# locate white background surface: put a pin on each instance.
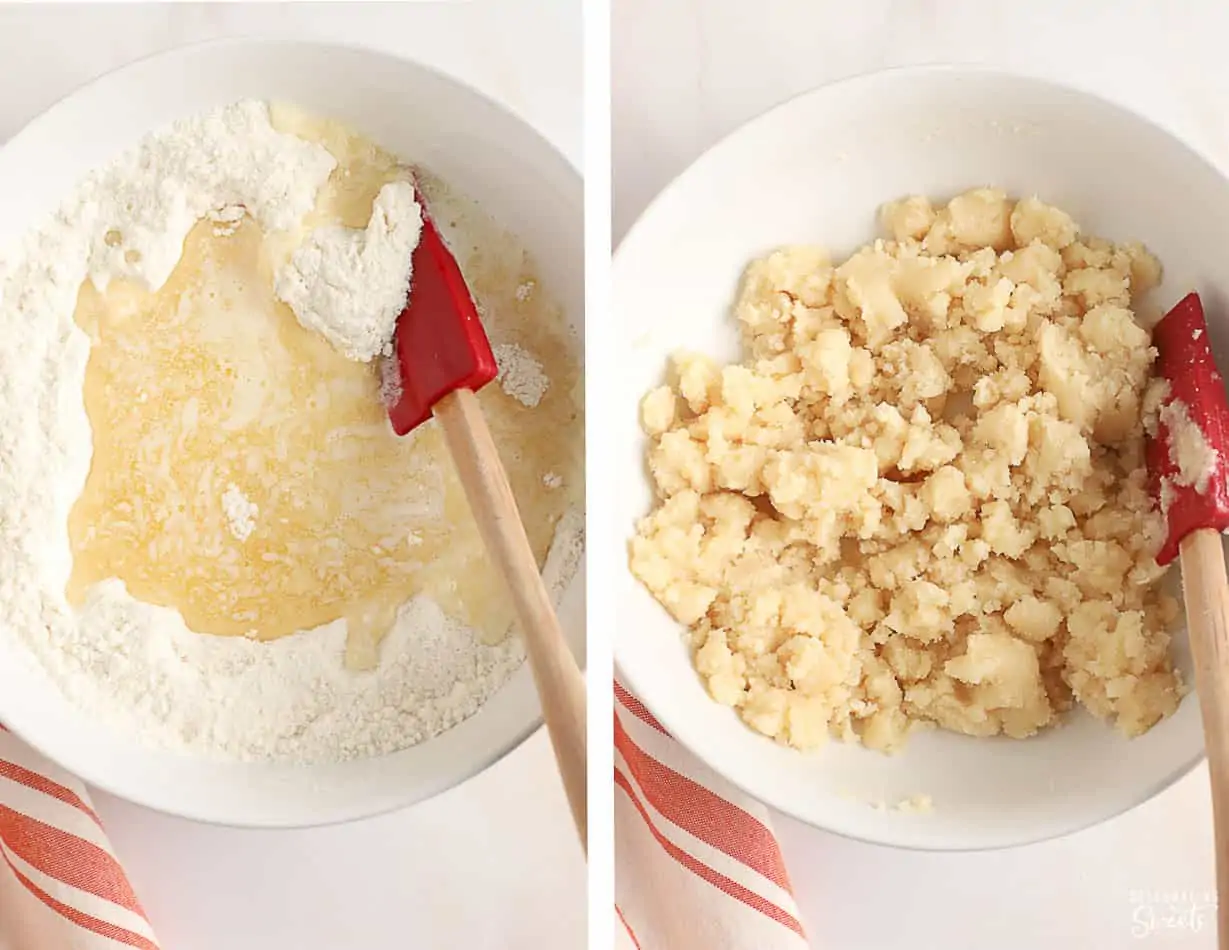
(494, 863)
(687, 72)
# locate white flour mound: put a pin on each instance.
(350, 286)
(131, 665)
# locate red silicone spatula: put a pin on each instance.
(1195, 519)
(443, 357)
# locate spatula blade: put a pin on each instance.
(440, 344)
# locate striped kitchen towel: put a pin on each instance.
(61, 887)
(696, 862)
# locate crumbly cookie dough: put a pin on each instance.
(921, 497)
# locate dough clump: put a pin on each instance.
(921, 497)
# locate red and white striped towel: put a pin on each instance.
(696, 862)
(61, 887)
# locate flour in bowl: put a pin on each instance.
(520, 375)
(350, 286)
(240, 512)
(135, 570)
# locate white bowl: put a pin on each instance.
(815, 170)
(472, 143)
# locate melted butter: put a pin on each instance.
(212, 382)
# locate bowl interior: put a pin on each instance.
(815, 170)
(473, 144)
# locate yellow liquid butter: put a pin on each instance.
(212, 383)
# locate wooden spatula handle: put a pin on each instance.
(561, 687)
(1206, 592)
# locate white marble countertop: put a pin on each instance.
(493, 863)
(686, 73)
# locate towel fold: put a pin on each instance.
(61, 886)
(696, 862)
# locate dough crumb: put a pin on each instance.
(1189, 451)
(915, 805)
